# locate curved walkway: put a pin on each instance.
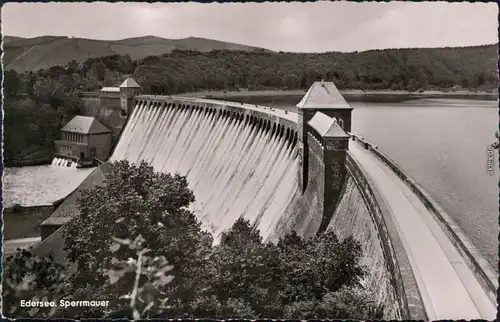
(448, 287)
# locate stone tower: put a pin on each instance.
(335, 147)
(321, 97)
(128, 90)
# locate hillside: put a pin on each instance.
(29, 54)
(395, 69)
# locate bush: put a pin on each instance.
(28, 277)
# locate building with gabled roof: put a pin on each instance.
(325, 97)
(324, 115)
(83, 139)
(85, 125)
(110, 96)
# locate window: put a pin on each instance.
(341, 123)
(65, 149)
(82, 154)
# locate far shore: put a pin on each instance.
(353, 93)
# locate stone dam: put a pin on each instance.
(306, 172)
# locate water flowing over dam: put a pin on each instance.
(235, 167)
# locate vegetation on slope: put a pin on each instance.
(39, 103)
(404, 69)
(139, 218)
(32, 54)
(35, 108)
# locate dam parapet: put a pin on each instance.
(471, 255)
(400, 282)
(285, 118)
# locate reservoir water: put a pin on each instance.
(40, 185)
(441, 143)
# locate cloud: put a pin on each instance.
(304, 27)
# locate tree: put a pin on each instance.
(12, 84)
(28, 277)
(134, 200)
(99, 70)
(294, 278)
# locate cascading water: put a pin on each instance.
(64, 163)
(234, 168)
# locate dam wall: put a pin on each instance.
(306, 209)
(353, 218)
(475, 261)
(239, 159)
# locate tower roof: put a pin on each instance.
(335, 131)
(85, 125)
(326, 126)
(323, 95)
(130, 82)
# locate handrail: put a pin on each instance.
(475, 261)
(402, 279)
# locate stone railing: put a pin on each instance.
(476, 262)
(396, 260)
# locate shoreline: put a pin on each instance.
(467, 94)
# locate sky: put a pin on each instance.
(297, 27)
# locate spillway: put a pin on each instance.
(235, 167)
(64, 163)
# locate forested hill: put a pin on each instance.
(397, 69)
(30, 54)
(172, 66)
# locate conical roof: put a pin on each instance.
(130, 82)
(335, 131)
(323, 95)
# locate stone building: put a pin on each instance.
(117, 103)
(109, 96)
(83, 139)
